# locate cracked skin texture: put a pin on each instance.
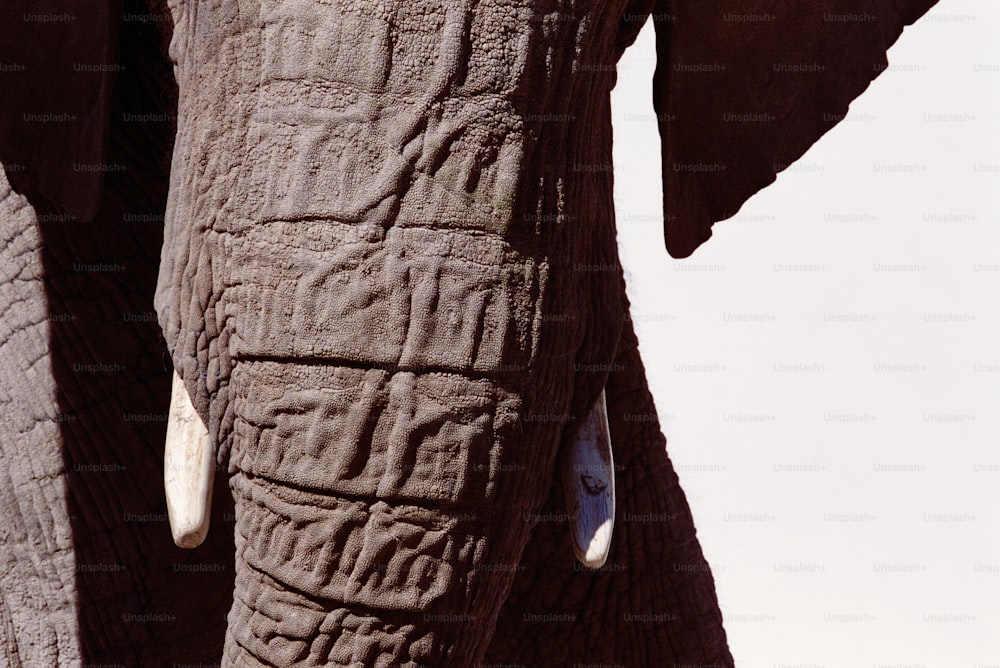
(389, 281)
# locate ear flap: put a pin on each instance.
(59, 61)
(741, 93)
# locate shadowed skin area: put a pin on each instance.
(389, 281)
(89, 573)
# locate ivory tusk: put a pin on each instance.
(588, 475)
(188, 470)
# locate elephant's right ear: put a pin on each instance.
(57, 69)
(742, 89)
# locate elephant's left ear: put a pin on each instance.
(742, 89)
(58, 62)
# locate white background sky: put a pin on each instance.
(834, 417)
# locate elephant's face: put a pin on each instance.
(390, 286)
(377, 284)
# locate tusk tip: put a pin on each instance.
(189, 538)
(593, 563)
(596, 553)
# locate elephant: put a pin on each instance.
(375, 246)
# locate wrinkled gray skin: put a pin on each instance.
(389, 280)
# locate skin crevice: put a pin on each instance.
(320, 604)
(499, 378)
(319, 498)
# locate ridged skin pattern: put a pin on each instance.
(36, 596)
(390, 282)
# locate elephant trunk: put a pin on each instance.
(369, 529)
(389, 441)
(392, 436)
